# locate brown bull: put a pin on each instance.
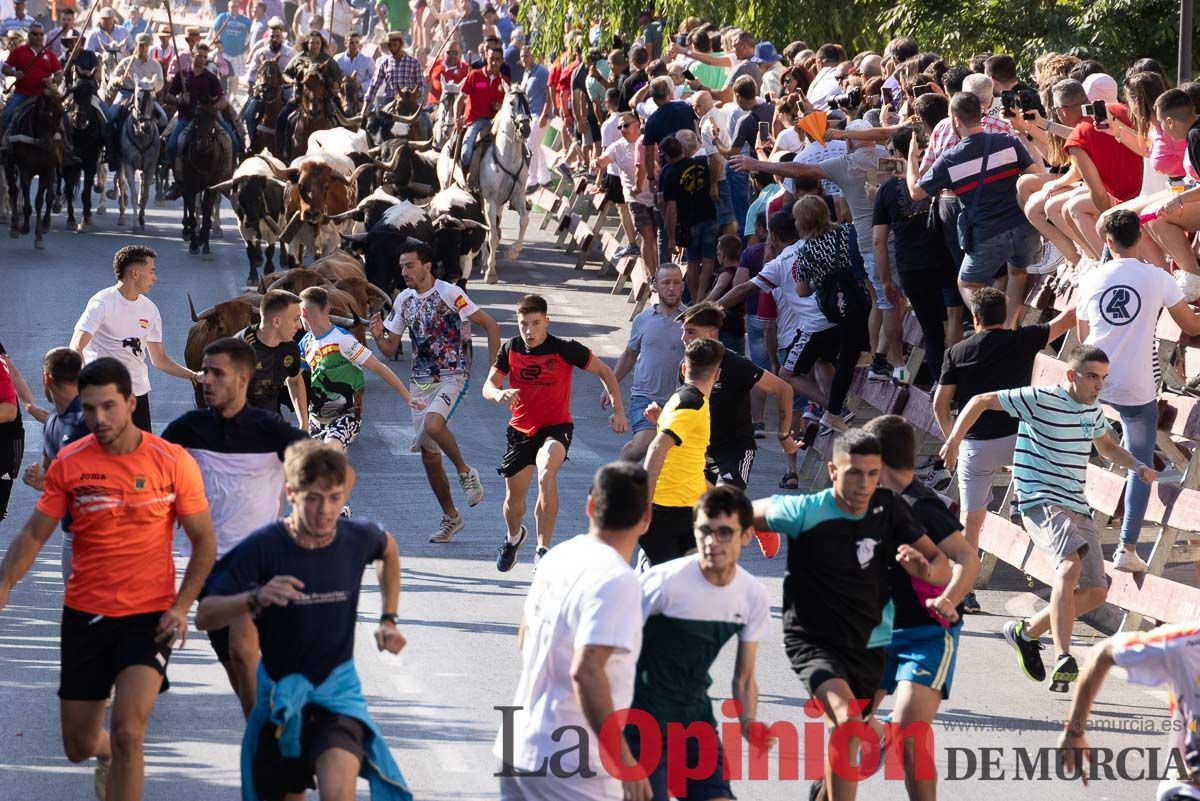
(317, 193)
(338, 265)
(222, 320)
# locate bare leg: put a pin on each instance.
(243, 661)
(1015, 295)
(337, 774)
(1035, 210)
(439, 432)
(516, 490)
(549, 459)
(83, 732)
(137, 690)
(438, 482)
(1083, 215)
(639, 443)
(840, 707)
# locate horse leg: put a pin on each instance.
(216, 216)
(44, 201)
(144, 196)
(68, 190)
(270, 265)
(209, 201)
(254, 256)
(26, 184)
(189, 219)
(518, 205)
(88, 180)
(121, 192)
(492, 215)
(10, 174)
(98, 177)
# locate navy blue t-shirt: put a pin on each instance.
(316, 633)
(59, 431)
(668, 120)
(995, 210)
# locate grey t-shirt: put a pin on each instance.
(850, 174)
(747, 67)
(658, 339)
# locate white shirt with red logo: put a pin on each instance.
(121, 328)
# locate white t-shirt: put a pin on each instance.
(793, 312)
(1167, 655)
(824, 87)
(584, 593)
(1121, 300)
(121, 328)
(677, 589)
(609, 133)
(624, 157)
(788, 141)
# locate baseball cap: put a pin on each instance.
(1100, 87)
(858, 125)
(143, 38)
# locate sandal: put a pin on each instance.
(790, 481)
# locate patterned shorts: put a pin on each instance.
(344, 429)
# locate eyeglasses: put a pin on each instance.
(624, 125)
(720, 534)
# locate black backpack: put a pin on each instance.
(842, 298)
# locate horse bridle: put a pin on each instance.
(527, 116)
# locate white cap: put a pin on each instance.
(1100, 87)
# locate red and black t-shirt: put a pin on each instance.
(543, 375)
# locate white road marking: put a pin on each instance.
(397, 437)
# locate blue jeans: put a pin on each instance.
(757, 340)
(15, 101)
(469, 138)
(739, 196)
(1140, 424)
(250, 117)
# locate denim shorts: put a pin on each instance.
(636, 414)
(868, 258)
(724, 204)
(757, 340)
(702, 243)
(1018, 247)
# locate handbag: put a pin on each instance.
(966, 236)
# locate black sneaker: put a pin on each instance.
(346, 512)
(1029, 655)
(970, 604)
(1066, 671)
(879, 372)
(537, 556)
(507, 555)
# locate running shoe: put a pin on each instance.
(900, 375)
(970, 604)
(346, 512)
(100, 777)
(1048, 261)
(760, 430)
(541, 551)
(1129, 562)
(1029, 655)
(768, 542)
(1066, 671)
(933, 474)
(448, 528)
(879, 372)
(564, 170)
(813, 411)
(472, 487)
(834, 422)
(507, 555)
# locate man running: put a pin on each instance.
(277, 357)
(240, 452)
(300, 579)
(692, 607)
(841, 543)
(653, 353)
(437, 316)
(60, 376)
(125, 489)
(580, 634)
(538, 366)
(337, 360)
(675, 461)
(926, 620)
(1058, 428)
(121, 322)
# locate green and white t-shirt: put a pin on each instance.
(688, 621)
(335, 359)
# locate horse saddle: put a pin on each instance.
(219, 132)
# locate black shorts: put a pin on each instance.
(141, 414)
(815, 663)
(320, 730)
(523, 449)
(729, 467)
(12, 451)
(807, 348)
(670, 534)
(613, 191)
(95, 649)
(704, 788)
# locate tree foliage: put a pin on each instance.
(1114, 32)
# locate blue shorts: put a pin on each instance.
(1018, 248)
(757, 340)
(868, 257)
(636, 414)
(724, 204)
(702, 242)
(712, 786)
(924, 655)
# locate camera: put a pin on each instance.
(889, 98)
(851, 100)
(1028, 106)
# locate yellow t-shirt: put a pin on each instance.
(685, 420)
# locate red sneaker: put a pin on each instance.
(769, 542)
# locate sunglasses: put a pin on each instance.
(624, 125)
(719, 534)
(453, 52)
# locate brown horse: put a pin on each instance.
(312, 115)
(352, 95)
(268, 85)
(35, 149)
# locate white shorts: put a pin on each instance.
(441, 398)
(979, 462)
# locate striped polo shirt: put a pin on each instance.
(1054, 442)
(995, 209)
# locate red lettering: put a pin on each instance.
(678, 770)
(842, 749)
(919, 754)
(814, 742)
(611, 738)
(731, 740)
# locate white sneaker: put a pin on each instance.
(447, 528)
(1129, 562)
(1048, 262)
(900, 375)
(472, 487)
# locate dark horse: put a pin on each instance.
(204, 159)
(86, 128)
(35, 149)
(312, 115)
(268, 86)
(352, 95)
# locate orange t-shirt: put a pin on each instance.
(123, 511)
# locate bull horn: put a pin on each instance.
(347, 322)
(273, 225)
(375, 151)
(385, 302)
(421, 147)
(289, 230)
(345, 215)
(224, 186)
(476, 224)
(447, 218)
(406, 119)
(358, 239)
(359, 170)
(192, 309)
(279, 183)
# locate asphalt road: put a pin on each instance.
(436, 701)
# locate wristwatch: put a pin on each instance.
(392, 618)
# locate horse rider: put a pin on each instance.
(85, 67)
(130, 74)
(18, 21)
(198, 85)
(397, 70)
(56, 40)
(481, 95)
(353, 62)
(277, 48)
(450, 68)
(183, 59)
(107, 33)
(314, 54)
(164, 51)
(30, 64)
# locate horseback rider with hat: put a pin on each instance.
(482, 94)
(198, 85)
(314, 54)
(129, 74)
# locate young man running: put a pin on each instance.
(692, 607)
(124, 324)
(1059, 426)
(125, 489)
(337, 360)
(675, 461)
(278, 359)
(437, 317)
(539, 367)
(240, 452)
(300, 579)
(926, 620)
(841, 543)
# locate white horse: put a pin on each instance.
(503, 171)
(140, 142)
